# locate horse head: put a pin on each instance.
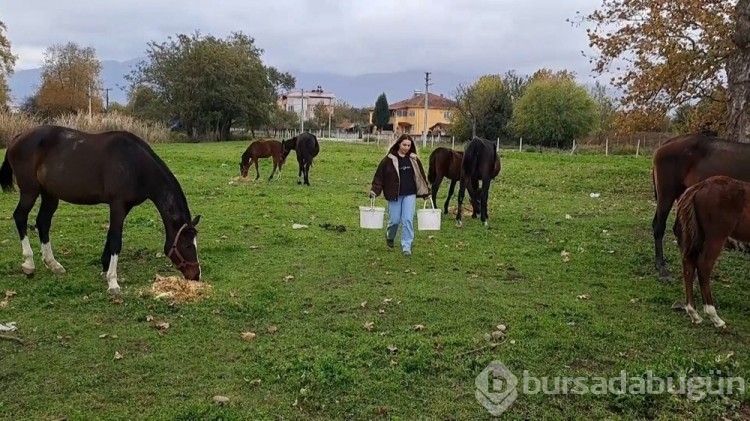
(244, 164)
(287, 146)
(183, 251)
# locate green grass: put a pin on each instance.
(322, 363)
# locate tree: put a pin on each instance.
(674, 53)
(484, 109)
(516, 84)
(382, 114)
(7, 62)
(605, 111)
(554, 112)
(209, 84)
(70, 74)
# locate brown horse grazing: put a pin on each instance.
(686, 160)
(709, 213)
(261, 149)
(306, 147)
(481, 162)
(117, 168)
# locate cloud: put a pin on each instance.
(337, 36)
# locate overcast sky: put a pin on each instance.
(338, 36)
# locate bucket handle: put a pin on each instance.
(430, 202)
(372, 202)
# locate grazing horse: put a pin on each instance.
(709, 213)
(307, 148)
(480, 163)
(117, 168)
(685, 160)
(446, 162)
(261, 149)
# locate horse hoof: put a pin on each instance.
(113, 291)
(459, 224)
(58, 271)
(28, 271)
(666, 279)
(299, 182)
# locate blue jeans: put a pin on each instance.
(401, 211)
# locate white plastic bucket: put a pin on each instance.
(429, 219)
(371, 217)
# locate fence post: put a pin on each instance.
(520, 144)
(638, 147)
(606, 147)
(497, 146)
(453, 142)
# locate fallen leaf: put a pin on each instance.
(381, 311)
(288, 278)
(118, 356)
(568, 216)
(387, 300)
(363, 304)
(103, 335)
(272, 329)
(565, 256)
(248, 336)
(10, 294)
(369, 326)
(418, 327)
(584, 297)
(149, 318)
(392, 348)
(221, 400)
(162, 325)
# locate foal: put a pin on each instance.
(709, 213)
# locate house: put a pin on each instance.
(407, 116)
(294, 100)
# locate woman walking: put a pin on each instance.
(401, 178)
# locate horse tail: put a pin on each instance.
(691, 242)
(6, 175)
(470, 161)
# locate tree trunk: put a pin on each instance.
(738, 75)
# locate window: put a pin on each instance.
(447, 115)
(412, 113)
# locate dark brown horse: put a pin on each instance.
(261, 149)
(480, 163)
(117, 168)
(306, 147)
(446, 163)
(686, 160)
(709, 213)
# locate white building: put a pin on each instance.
(295, 101)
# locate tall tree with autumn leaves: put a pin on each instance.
(7, 62)
(667, 54)
(70, 73)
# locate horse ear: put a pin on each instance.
(196, 220)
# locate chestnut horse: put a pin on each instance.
(117, 168)
(261, 149)
(686, 160)
(709, 213)
(306, 147)
(480, 163)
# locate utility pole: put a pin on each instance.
(302, 111)
(426, 107)
(89, 101)
(106, 96)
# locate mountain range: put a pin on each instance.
(359, 91)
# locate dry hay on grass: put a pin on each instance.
(178, 289)
(465, 212)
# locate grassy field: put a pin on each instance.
(338, 340)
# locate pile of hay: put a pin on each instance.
(466, 211)
(178, 289)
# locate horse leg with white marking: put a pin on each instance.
(21, 216)
(43, 224)
(113, 247)
(705, 267)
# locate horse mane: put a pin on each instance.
(174, 183)
(690, 229)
